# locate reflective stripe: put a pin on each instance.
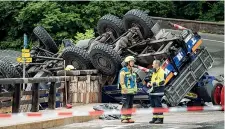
(127, 73)
(123, 117)
(129, 117)
(158, 116)
(155, 116)
(160, 93)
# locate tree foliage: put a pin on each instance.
(64, 19)
(87, 35)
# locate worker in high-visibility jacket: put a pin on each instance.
(127, 82)
(157, 91)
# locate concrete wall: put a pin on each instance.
(199, 26)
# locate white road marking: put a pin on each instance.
(120, 126)
(213, 40)
(174, 128)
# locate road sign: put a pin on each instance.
(27, 60)
(25, 41)
(25, 50)
(25, 55)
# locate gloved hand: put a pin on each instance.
(161, 83)
(149, 84)
(144, 82)
(154, 84)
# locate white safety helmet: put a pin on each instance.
(129, 58)
(69, 67)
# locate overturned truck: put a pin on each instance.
(183, 58)
(184, 61)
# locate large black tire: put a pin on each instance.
(105, 59)
(19, 68)
(46, 39)
(110, 23)
(7, 70)
(140, 19)
(77, 57)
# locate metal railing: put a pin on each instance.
(35, 92)
(16, 101)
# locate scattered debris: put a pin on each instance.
(104, 107)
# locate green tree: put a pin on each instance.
(63, 19)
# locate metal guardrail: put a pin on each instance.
(185, 20)
(33, 80)
(55, 80)
(196, 26)
(16, 101)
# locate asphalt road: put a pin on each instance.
(215, 45)
(189, 120)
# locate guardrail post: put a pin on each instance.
(16, 98)
(65, 93)
(69, 97)
(35, 97)
(52, 96)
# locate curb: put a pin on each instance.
(51, 123)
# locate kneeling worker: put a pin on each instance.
(127, 81)
(157, 86)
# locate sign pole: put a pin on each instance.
(64, 64)
(24, 59)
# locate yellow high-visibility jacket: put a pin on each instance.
(158, 77)
(127, 80)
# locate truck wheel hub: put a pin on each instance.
(102, 62)
(75, 64)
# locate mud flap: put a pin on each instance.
(204, 92)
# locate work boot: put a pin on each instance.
(131, 121)
(153, 120)
(159, 121)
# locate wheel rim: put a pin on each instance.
(135, 24)
(217, 93)
(109, 29)
(75, 64)
(104, 63)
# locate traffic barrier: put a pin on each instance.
(177, 26)
(136, 111)
(143, 68)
